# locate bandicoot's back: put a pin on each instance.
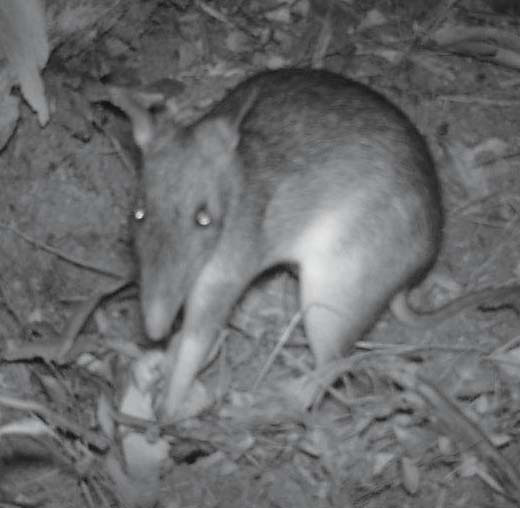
(292, 167)
(314, 140)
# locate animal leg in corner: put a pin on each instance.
(219, 286)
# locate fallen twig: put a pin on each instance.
(96, 440)
(61, 255)
(284, 338)
(466, 430)
(324, 40)
(455, 34)
(491, 44)
(437, 16)
(485, 101)
(282, 341)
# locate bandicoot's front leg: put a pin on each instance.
(209, 305)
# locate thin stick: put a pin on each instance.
(405, 350)
(96, 440)
(61, 255)
(463, 427)
(85, 490)
(485, 101)
(286, 335)
(324, 378)
(96, 487)
(214, 13)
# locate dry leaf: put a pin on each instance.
(279, 15)
(134, 494)
(27, 427)
(410, 474)
(414, 440)
(471, 466)
(381, 462)
(238, 42)
(301, 8)
(275, 62)
(373, 18)
(445, 446)
(509, 362)
(54, 389)
(467, 163)
(500, 440)
(146, 372)
(104, 416)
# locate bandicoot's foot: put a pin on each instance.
(199, 399)
(302, 391)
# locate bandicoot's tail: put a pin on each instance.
(419, 318)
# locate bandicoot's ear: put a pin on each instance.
(228, 129)
(136, 105)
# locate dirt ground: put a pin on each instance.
(446, 439)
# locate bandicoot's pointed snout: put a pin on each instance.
(157, 319)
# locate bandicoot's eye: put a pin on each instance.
(139, 213)
(139, 209)
(202, 217)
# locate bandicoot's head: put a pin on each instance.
(188, 183)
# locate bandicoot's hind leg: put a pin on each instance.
(333, 314)
(336, 302)
(217, 289)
